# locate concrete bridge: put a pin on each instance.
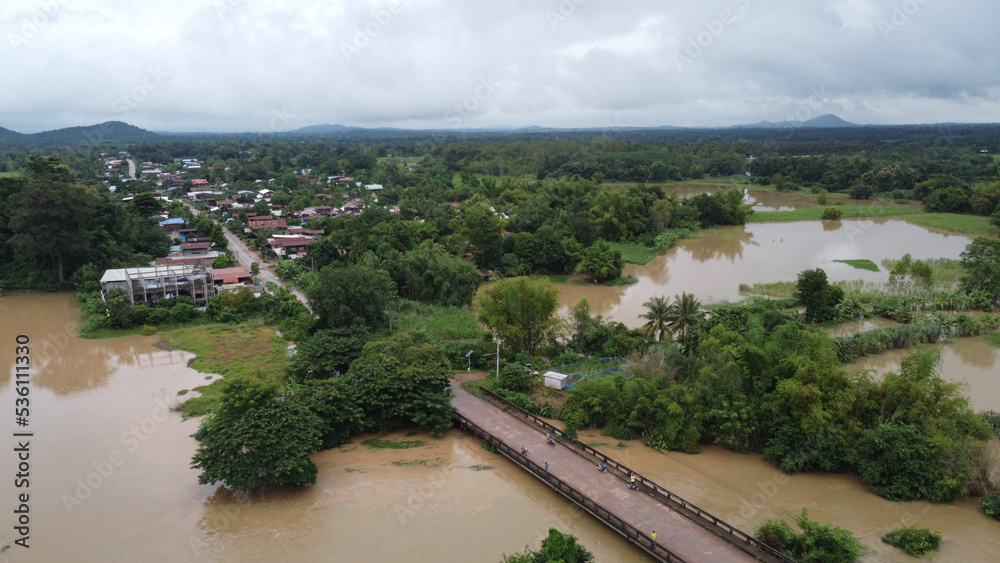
(684, 532)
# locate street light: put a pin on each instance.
(469, 357)
(497, 356)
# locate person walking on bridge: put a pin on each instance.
(653, 535)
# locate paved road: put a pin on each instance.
(688, 540)
(131, 168)
(245, 256)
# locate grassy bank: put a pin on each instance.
(814, 213)
(975, 225)
(634, 253)
(246, 350)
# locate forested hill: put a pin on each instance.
(109, 131)
(6, 135)
(91, 135)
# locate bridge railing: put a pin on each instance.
(710, 521)
(630, 532)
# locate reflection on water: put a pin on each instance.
(971, 361)
(713, 265)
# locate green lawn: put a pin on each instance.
(849, 212)
(9, 174)
(976, 225)
(247, 350)
(634, 253)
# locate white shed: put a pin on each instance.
(555, 380)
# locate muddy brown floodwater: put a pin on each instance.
(712, 267)
(110, 478)
(973, 362)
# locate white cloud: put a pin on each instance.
(232, 64)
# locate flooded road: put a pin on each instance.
(110, 479)
(712, 267)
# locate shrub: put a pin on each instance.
(832, 214)
(991, 505)
(147, 330)
(915, 541)
(817, 542)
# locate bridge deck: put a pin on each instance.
(685, 538)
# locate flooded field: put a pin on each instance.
(713, 266)
(973, 362)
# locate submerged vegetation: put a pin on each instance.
(816, 543)
(912, 540)
(860, 264)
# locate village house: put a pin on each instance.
(173, 224)
(258, 224)
(235, 275)
(304, 231)
(290, 245)
(317, 211)
(353, 206)
(150, 284)
(195, 248)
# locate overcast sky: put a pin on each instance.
(262, 65)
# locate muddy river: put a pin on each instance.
(713, 266)
(973, 362)
(110, 478)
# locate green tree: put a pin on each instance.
(327, 353)
(980, 263)
(255, 269)
(352, 294)
(683, 315)
(401, 381)
(218, 237)
(832, 214)
(556, 548)
(49, 217)
(482, 229)
(601, 263)
(816, 293)
(257, 437)
(515, 377)
(657, 316)
(146, 204)
(520, 311)
(818, 543)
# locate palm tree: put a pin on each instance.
(656, 318)
(683, 315)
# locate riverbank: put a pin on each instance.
(250, 349)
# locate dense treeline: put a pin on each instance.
(58, 234)
(535, 180)
(757, 379)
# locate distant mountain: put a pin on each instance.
(822, 122)
(828, 120)
(109, 131)
(323, 129)
(771, 125)
(8, 135)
